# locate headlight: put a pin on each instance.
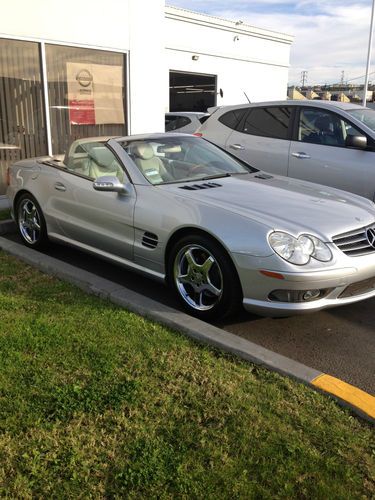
(299, 250)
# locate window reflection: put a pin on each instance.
(22, 123)
(86, 94)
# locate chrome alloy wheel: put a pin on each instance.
(198, 277)
(29, 221)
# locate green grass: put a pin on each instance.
(96, 402)
(4, 214)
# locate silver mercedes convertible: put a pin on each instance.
(221, 233)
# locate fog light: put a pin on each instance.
(311, 295)
(298, 295)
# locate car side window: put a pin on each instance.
(202, 119)
(268, 122)
(232, 118)
(93, 160)
(176, 122)
(318, 126)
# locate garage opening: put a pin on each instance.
(191, 91)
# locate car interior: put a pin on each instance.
(93, 160)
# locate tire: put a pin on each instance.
(204, 278)
(30, 222)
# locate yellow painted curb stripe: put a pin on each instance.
(354, 396)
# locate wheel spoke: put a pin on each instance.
(183, 278)
(27, 210)
(200, 299)
(190, 259)
(207, 264)
(209, 287)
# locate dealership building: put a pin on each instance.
(83, 69)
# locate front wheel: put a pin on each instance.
(204, 278)
(30, 222)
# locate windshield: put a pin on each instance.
(182, 159)
(366, 116)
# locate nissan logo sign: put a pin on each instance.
(84, 78)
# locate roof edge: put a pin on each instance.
(186, 15)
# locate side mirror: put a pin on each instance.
(356, 141)
(110, 183)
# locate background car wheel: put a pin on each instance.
(30, 221)
(204, 278)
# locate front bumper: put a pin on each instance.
(335, 280)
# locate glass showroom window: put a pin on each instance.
(86, 93)
(22, 123)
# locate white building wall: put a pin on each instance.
(148, 78)
(245, 59)
(131, 26)
(158, 39)
(69, 21)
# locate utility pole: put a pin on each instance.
(368, 54)
(304, 76)
(342, 81)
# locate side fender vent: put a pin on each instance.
(206, 185)
(150, 240)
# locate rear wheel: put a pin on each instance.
(30, 221)
(204, 278)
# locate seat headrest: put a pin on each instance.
(323, 123)
(143, 150)
(102, 156)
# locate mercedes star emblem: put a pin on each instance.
(370, 233)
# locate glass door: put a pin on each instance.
(22, 120)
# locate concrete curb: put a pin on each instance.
(362, 403)
(7, 226)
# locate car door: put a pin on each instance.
(102, 221)
(263, 138)
(319, 152)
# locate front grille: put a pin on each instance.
(354, 243)
(149, 240)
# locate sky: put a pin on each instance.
(331, 36)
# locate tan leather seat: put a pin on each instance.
(149, 164)
(103, 162)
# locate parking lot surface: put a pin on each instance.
(339, 341)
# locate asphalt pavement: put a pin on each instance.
(339, 341)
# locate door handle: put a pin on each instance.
(302, 156)
(237, 146)
(59, 186)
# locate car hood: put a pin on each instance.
(282, 203)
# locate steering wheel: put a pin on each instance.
(197, 169)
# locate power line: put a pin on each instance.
(351, 79)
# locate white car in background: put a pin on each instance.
(186, 122)
(325, 142)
